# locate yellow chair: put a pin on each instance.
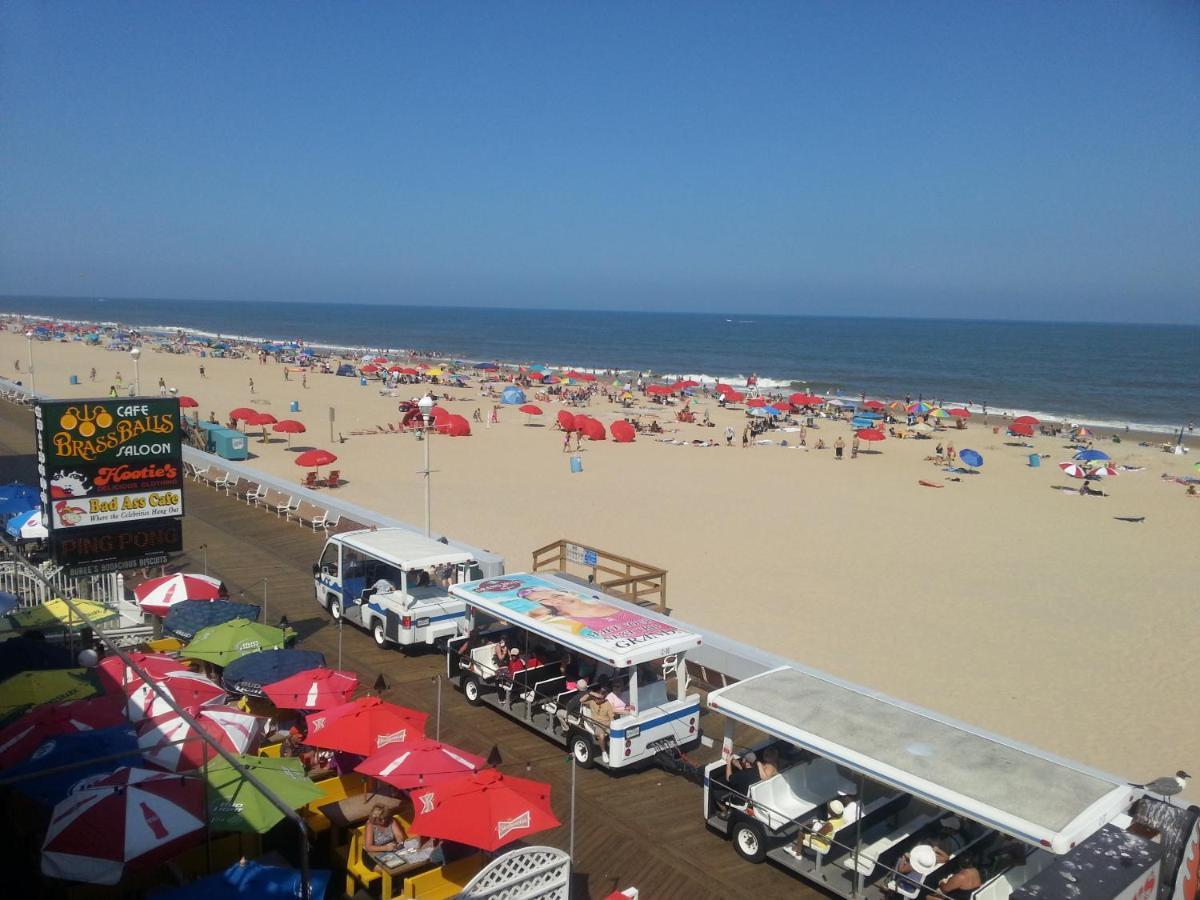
(271, 750)
(164, 645)
(359, 873)
(443, 882)
(334, 789)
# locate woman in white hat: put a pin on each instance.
(914, 867)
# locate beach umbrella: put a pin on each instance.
(408, 370)
(313, 459)
(1092, 456)
(318, 688)
(870, 434)
(659, 390)
(186, 402)
(170, 742)
(455, 426)
(1027, 420)
(971, 457)
(27, 689)
(248, 878)
(959, 413)
(939, 413)
(249, 674)
(531, 410)
(485, 810)
(27, 526)
(756, 402)
(222, 644)
(57, 614)
(686, 384)
(420, 764)
(289, 427)
(234, 804)
(186, 619)
(380, 360)
(120, 680)
(590, 428)
(622, 432)
(433, 372)
(734, 397)
(1105, 472)
(1082, 432)
(919, 408)
(1073, 469)
(242, 412)
(158, 595)
(781, 406)
(364, 725)
(127, 820)
(62, 761)
(872, 404)
(21, 653)
(22, 737)
(1021, 430)
(566, 420)
(370, 369)
(187, 688)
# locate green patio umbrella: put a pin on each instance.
(234, 804)
(222, 644)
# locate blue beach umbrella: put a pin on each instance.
(971, 457)
(253, 880)
(759, 412)
(1091, 455)
(27, 526)
(512, 395)
(68, 749)
(186, 619)
(248, 674)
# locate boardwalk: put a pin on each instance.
(640, 828)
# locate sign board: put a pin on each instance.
(112, 470)
(584, 556)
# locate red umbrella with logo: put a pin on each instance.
(28, 733)
(485, 810)
(126, 820)
(364, 725)
(158, 595)
(419, 764)
(117, 678)
(313, 689)
(312, 459)
(185, 687)
(170, 742)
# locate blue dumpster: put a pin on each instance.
(295, 407)
(229, 444)
(1035, 460)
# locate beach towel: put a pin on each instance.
(930, 484)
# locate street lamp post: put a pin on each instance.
(32, 377)
(425, 404)
(204, 547)
(136, 353)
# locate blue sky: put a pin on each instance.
(1024, 160)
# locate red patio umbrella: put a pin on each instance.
(185, 687)
(186, 402)
(870, 434)
(30, 731)
(242, 412)
(486, 810)
(370, 369)
(685, 384)
(170, 743)
(408, 370)
(622, 432)
(399, 369)
(723, 389)
(312, 459)
(313, 689)
(566, 420)
(380, 360)
(959, 413)
(530, 409)
(126, 820)
(118, 679)
(873, 404)
(364, 725)
(756, 402)
(660, 390)
(1021, 430)
(418, 764)
(1027, 420)
(1074, 469)
(158, 595)
(289, 427)
(734, 397)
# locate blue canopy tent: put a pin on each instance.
(1092, 456)
(250, 879)
(248, 674)
(346, 369)
(512, 395)
(185, 619)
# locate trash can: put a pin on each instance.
(362, 381)
(295, 407)
(1035, 460)
(576, 464)
(74, 379)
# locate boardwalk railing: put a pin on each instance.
(638, 582)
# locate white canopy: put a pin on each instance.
(404, 549)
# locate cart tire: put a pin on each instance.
(379, 633)
(749, 841)
(472, 690)
(583, 749)
(335, 609)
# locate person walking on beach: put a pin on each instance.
(202, 375)
(745, 437)
(304, 379)
(286, 377)
(839, 447)
(93, 373)
(112, 391)
(854, 448)
(17, 365)
(729, 435)
(951, 454)
(120, 382)
(162, 386)
(252, 385)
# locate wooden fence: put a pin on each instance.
(635, 581)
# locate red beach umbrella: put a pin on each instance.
(380, 360)
(870, 434)
(187, 403)
(242, 412)
(486, 810)
(1027, 420)
(590, 428)
(29, 732)
(289, 427)
(959, 413)
(566, 420)
(1021, 430)
(685, 384)
(158, 595)
(723, 389)
(734, 397)
(756, 402)
(530, 409)
(1105, 472)
(370, 369)
(118, 679)
(364, 725)
(170, 743)
(312, 459)
(313, 689)
(873, 404)
(187, 688)
(1074, 469)
(399, 369)
(127, 820)
(418, 764)
(660, 390)
(261, 418)
(408, 370)
(455, 426)
(622, 432)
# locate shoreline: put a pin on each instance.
(765, 385)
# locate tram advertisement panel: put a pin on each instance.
(102, 461)
(575, 612)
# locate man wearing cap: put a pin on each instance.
(598, 710)
(570, 708)
(741, 773)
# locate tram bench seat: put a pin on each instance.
(869, 855)
(482, 660)
(539, 685)
(878, 810)
(796, 792)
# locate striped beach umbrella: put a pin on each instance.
(158, 595)
(170, 742)
(1073, 469)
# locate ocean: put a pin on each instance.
(1144, 376)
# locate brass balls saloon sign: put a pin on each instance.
(104, 462)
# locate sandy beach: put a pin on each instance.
(997, 599)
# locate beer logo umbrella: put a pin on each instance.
(485, 810)
(365, 725)
(420, 764)
(170, 742)
(29, 689)
(222, 644)
(235, 804)
(314, 689)
(185, 687)
(24, 736)
(158, 595)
